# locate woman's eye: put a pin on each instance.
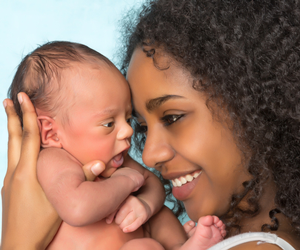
(129, 121)
(169, 119)
(141, 129)
(108, 125)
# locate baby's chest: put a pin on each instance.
(95, 236)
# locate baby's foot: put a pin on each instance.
(209, 231)
(189, 228)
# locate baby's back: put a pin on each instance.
(99, 235)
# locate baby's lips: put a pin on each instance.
(118, 157)
(118, 160)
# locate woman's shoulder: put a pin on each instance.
(256, 245)
(258, 241)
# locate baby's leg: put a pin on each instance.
(209, 231)
(142, 244)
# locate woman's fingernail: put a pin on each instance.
(96, 169)
(20, 99)
(4, 103)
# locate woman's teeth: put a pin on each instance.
(178, 182)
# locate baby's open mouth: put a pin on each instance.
(118, 160)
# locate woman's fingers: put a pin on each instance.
(14, 135)
(93, 169)
(29, 220)
(31, 137)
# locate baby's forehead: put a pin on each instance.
(82, 74)
(93, 81)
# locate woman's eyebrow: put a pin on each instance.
(155, 103)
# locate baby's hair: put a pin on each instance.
(38, 74)
(245, 56)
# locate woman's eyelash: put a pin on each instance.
(138, 127)
(141, 128)
(128, 120)
(169, 119)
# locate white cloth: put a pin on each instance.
(248, 237)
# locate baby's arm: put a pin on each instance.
(77, 201)
(136, 210)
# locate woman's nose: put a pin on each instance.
(157, 150)
(125, 131)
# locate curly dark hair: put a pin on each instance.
(245, 55)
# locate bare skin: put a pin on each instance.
(184, 140)
(21, 184)
(166, 222)
(156, 227)
(210, 230)
(176, 158)
(97, 128)
(21, 176)
(163, 144)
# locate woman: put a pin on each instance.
(216, 87)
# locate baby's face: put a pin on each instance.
(99, 117)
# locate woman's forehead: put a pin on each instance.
(155, 73)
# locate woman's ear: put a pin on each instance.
(48, 129)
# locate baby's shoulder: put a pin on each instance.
(52, 157)
(52, 154)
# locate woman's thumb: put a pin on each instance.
(93, 169)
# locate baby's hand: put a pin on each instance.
(133, 213)
(134, 175)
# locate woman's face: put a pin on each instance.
(184, 142)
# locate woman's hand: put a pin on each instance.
(29, 220)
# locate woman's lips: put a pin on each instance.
(184, 185)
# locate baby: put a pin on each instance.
(84, 109)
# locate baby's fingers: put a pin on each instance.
(131, 223)
(109, 219)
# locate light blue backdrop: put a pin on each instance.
(24, 24)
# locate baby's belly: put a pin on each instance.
(96, 236)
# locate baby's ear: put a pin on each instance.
(48, 130)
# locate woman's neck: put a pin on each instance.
(254, 224)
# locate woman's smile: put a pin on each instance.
(182, 180)
(184, 185)
(184, 141)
